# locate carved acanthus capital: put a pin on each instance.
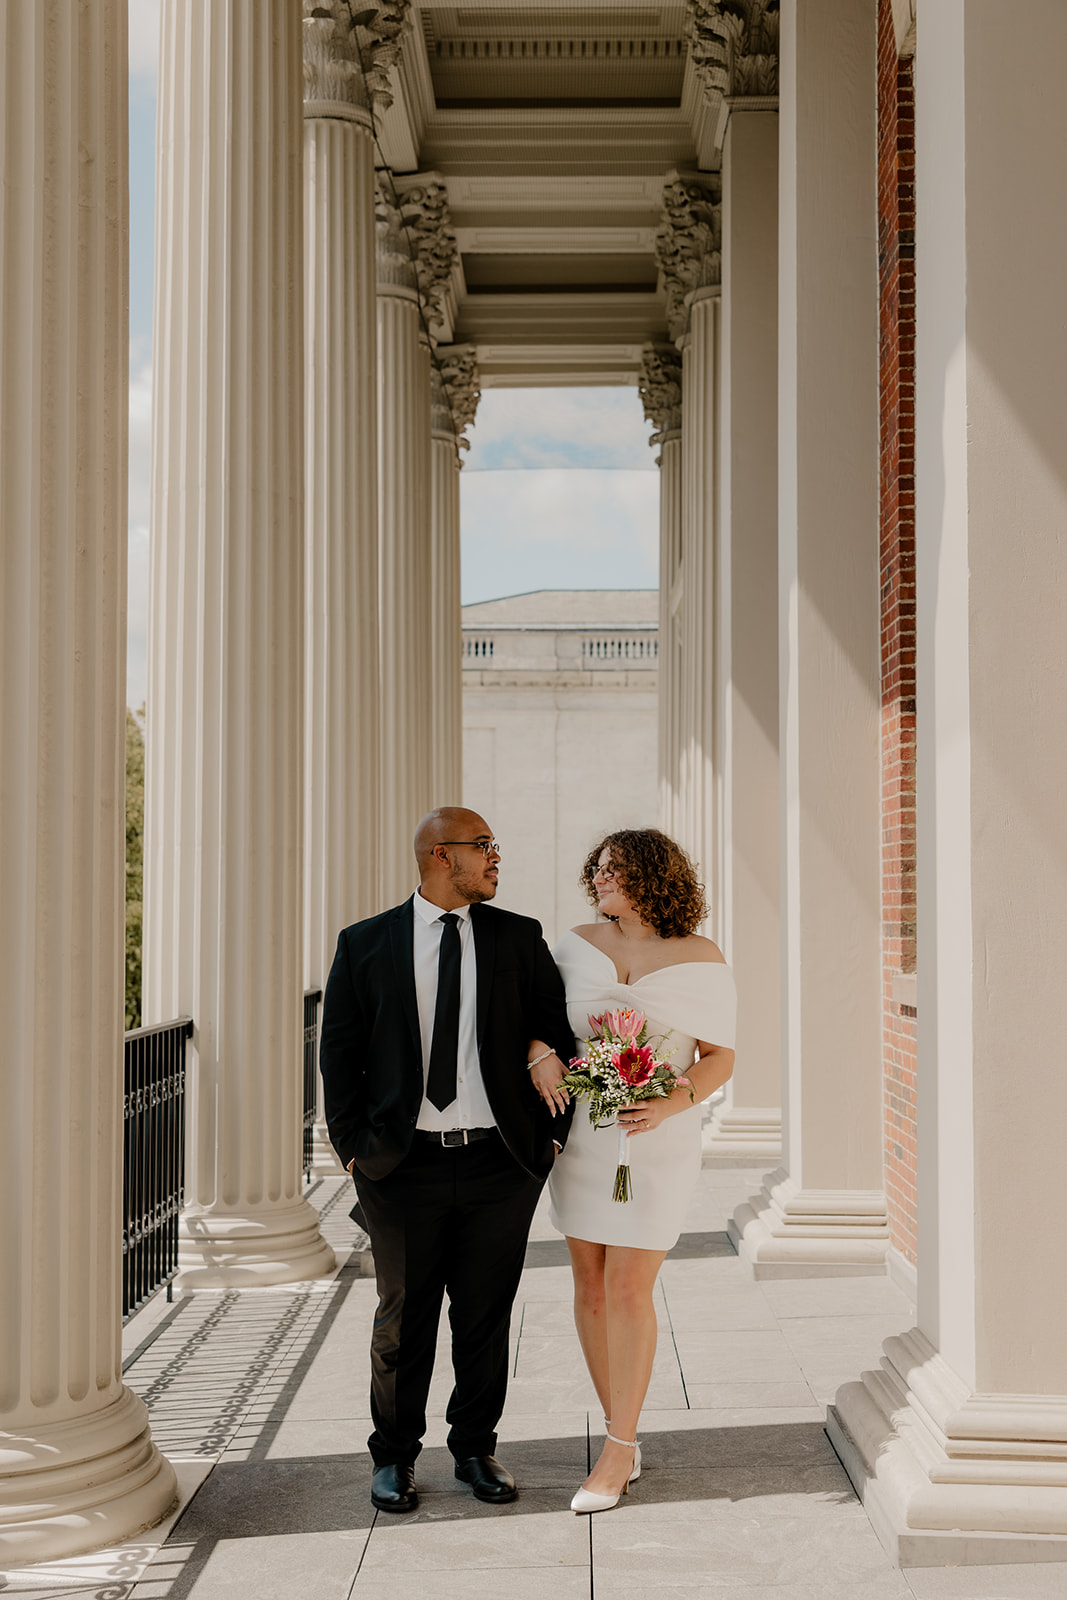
(380, 32)
(457, 368)
(689, 243)
(396, 270)
(733, 45)
(423, 201)
(660, 386)
(333, 76)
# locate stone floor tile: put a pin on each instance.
(710, 1443)
(741, 1396)
(453, 1532)
(746, 1543)
(266, 1566)
(719, 1313)
(752, 1356)
(823, 1297)
(1027, 1581)
(516, 1583)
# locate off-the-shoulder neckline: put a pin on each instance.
(672, 966)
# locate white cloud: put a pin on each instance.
(144, 38)
(558, 529)
(560, 428)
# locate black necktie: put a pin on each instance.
(441, 1078)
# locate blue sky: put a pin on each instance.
(559, 489)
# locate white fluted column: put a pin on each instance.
(697, 817)
(825, 1209)
(746, 1127)
(660, 386)
(958, 1442)
(668, 675)
(404, 549)
(341, 505)
(78, 1468)
(224, 734)
(446, 639)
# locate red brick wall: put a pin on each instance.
(896, 242)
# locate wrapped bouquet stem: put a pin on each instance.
(620, 1069)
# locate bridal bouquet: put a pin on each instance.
(619, 1069)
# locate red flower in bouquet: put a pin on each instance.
(635, 1065)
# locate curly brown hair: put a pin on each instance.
(657, 877)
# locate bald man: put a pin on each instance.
(434, 1011)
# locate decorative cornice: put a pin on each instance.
(456, 367)
(733, 45)
(380, 30)
(396, 270)
(689, 242)
(333, 76)
(659, 384)
(423, 201)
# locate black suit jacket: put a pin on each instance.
(370, 1051)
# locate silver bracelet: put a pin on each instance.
(542, 1057)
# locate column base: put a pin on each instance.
(324, 1162)
(257, 1248)
(951, 1478)
(787, 1232)
(84, 1484)
(744, 1134)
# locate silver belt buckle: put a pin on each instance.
(450, 1139)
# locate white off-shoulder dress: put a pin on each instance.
(690, 1001)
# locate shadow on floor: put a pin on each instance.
(259, 1499)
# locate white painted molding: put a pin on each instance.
(736, 1131)
(905, 989)
(786, 1231)
(488, 240)
(903, 1273)
(948, 1476)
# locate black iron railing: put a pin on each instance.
(311, 1072)
(153, 1158)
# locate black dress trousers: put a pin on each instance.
(446, 1221)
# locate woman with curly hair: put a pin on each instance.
(644, 954)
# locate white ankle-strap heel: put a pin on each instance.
(588, 1500)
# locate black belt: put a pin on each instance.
(454, 1138)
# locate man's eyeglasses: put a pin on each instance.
(488, 847)
(609, 874)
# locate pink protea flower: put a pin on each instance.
(624, 1024)
(635, 1065)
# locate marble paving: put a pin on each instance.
(260, 1400)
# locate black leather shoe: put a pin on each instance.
(489, 1480)
(393, 1488)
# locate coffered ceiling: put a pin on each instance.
(554, 128)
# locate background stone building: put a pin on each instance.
(559, 735)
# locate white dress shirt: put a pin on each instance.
(470, 1108)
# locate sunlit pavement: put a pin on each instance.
(260, 1400)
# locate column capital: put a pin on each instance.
(396, 270)
(333, 75)
(423, 201)
(456, 370)
(689, 242)
(379, 29)
(734, 47)
(659, 384)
